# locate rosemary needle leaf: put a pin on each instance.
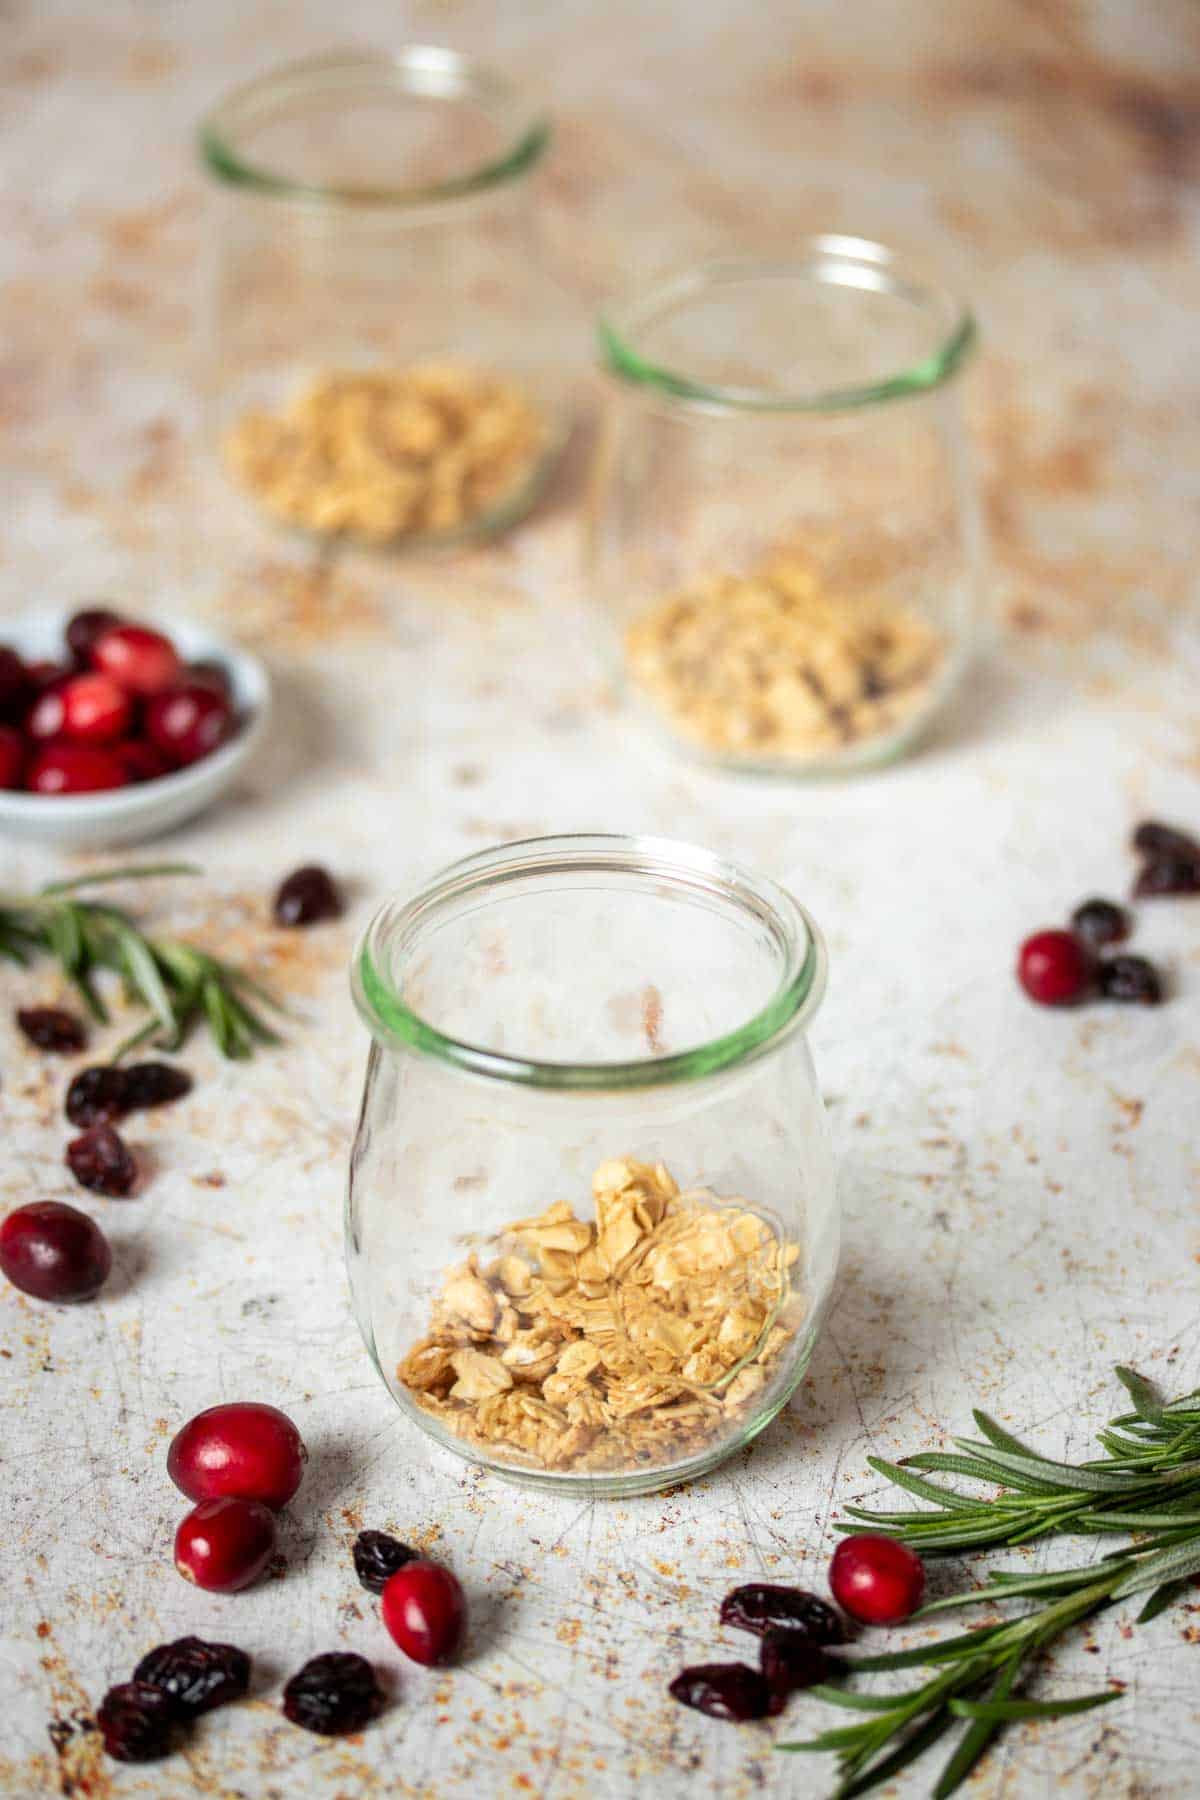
(1160, 1599)
(1177, 1564)
(1001, 1712)
(974, 1742)
(101, 877)
(1146, 1402)
(907, 1752)
(837, 1696)
(924, 1490)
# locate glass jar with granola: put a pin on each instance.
(386, 355)
(784, 531)
(592, 1225)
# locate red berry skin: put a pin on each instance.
(224, 1545)
(12, 757)
(95, 710)
(142, 760)
(1055, 969)
(189, 722)
(424, 1611)
(74, 769)
(54, 1252)
(48, 714)
(138, 659)
(245, 1450)
(83, 628)
(46, 674)
(14, 684)
(876, 1580)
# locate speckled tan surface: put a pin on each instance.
(1020, 1188)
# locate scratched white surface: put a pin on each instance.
(1020, 1188)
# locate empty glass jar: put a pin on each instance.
(385, 350)
(591, 1226)
(784, 531)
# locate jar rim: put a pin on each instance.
(428, 71)
(827, 259)
(794, 1000)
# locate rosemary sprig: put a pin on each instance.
(178, 984)
(1147, 1484)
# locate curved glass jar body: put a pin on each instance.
(384, 358)
(592, 1224)
(784, 530)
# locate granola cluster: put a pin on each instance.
(390, 454)
(773, 664)
(638, 1338)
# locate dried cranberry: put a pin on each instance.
(52, 1028)
(761, 1607)
(135, 1720)
(1168, 875)
(333, 1693)
(1101, 922)
(83, 630)
(97, 1096)
(1054, 968)
(424, 1611)
(791, 1661)
(100, 1160)
(244, 1448)
(1157, 840)
(875, 1579)
(377, 1558)
(12, 757)
(723, 1691)
(154, 1084)
(1132, 979)
(224, 1545)
(196, 1675)
(306, 896)
(54, 1252)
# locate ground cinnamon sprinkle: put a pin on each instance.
(638, 1338)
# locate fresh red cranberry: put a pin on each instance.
(54, 1252)
(307, 896)
(12, 757)
(74, 769)
(48, 715)
(1101, 922)
(52, 1028)
(245, 1449)
(138, 659)
(1132, 979)
(333, 1694)
(143, 761)
(224, 1545)
(876, 1580)
(84, 627)
(196, 1675)
(189, 722)
(1054, 968)
(95, 709)
(761, 1606)
(723, 1691)
(136, 1721)
(14, 684)
(424, 1611)
(101, 1160)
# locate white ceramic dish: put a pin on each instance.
(130, 814)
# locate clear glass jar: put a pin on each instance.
(592, 1226)
(382, 363)
(784, 530)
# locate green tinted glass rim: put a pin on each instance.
(396, 1025)
(235, 170)
(615, 332)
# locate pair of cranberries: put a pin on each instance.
(240, 1463)
(874, 1579)
(422, 1604)
(122, 707)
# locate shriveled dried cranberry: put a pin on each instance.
(1168, 875)
(97, 1096)
(1131, 979)
(307, 896)
(377, 1556)
(1101, 922)
(723, 1691)
(100, 1160)
(52, 1028)
(196, 1675)
(760, 1607)
(154, 1084)
(135, 1720)
(333, 1693)
(84, 628)
(1152, 838)
(54, 1252)
(791, 1661)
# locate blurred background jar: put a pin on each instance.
(384, 348)
(592, 1224)
(784, 531)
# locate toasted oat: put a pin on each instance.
(390, 453)
(638, 1338)
(774, 665)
